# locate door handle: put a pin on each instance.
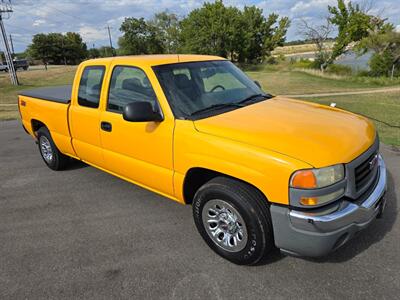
(106, 126)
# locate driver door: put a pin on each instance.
(138, 151)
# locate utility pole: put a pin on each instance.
(5, 8)
(109, 36)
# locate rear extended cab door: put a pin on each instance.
(84, 114)
(141, 152)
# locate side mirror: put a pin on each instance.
(141, 111)
(258, 84)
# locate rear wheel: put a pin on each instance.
(234, 220)
(53, 158)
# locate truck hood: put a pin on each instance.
(316, 134)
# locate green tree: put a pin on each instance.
(246, 36)
(384, 43)
(57, 48)
(40, 48)
(319, 36)
(210, 29)
(252, 33)
(93, 53)
(106, 51)
(353, 24)
(275, 34)
(168, 30)
(139, 37)
(73, 48)
(261, 35)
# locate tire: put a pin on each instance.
(50, 154)
(246, 226)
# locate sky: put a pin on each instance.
(91, 17)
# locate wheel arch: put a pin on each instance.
(36, 125)
(197, 176)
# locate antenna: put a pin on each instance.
(5, 13)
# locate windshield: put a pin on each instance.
(200, 89)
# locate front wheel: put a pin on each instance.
(234, 220)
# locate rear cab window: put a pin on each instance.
(90, 86)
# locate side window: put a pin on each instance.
(129, 84)
(90, 86)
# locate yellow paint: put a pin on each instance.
(317, 134)
(262, 144)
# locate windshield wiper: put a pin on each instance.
(254, 97)
(241, 103)
(216, 107)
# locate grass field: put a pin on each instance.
(297, 82)
(383, 107)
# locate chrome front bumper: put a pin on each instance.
(309, 234)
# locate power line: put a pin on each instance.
(6, 9)
(64, 13)
(51, 19)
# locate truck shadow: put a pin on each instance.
(75, 165)
(371, 235)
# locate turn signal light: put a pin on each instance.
(312, 201)
(304, 179)
(309, 201)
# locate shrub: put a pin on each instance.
(339, 70)
(381, 65)
(281, 57)
(271, 60)
(302, 63)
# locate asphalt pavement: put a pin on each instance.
(82, 233)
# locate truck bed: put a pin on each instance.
(60, 94)
(49, 106)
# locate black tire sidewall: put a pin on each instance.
(55, 162)
(256, 224)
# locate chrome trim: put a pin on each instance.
(378, 191)
(45, 149)
(351, 190)
(224, 225)
(348, 213)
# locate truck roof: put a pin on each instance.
(155, 59)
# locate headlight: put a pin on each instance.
(317, 178)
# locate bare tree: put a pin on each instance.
(319, 35)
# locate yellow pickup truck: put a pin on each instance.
(259, 171)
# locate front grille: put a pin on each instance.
(365, 171)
